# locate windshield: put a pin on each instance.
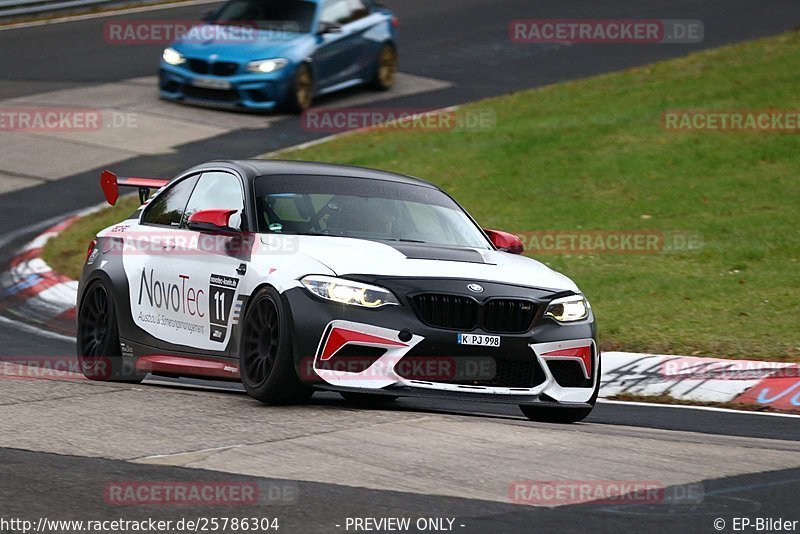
(363, 209)
(284, 15)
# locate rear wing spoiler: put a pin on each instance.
(110, 184)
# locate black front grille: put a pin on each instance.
(222, 68)
(447, 311)
(199, 66)
(499, 316)
(508, 316)
(223, 95)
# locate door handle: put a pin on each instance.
(169, 245)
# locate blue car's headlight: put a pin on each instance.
(265, 66)
(349, 292)
(173, 57)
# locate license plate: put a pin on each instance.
(211, 83)
(479, 340)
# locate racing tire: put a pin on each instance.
(386, 68)
(266, 362)
(368, 399)
(99, 352)
(300, 94)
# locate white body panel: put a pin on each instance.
(345, 256)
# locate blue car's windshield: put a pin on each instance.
(285, 15)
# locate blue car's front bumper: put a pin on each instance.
(252, 91)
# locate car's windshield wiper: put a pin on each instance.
(401, 240)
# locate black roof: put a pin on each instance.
(263, 167)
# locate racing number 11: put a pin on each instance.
(219, 299)
(221, 291)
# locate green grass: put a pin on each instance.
(67, 252)
(592, 155)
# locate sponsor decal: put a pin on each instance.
(222, 290)
(172, 302)
(178, 296)
(93, 256)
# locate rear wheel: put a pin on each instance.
(386, 68)
(99, 352)
(301, 92)
(265, 356)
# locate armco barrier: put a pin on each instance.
(21, 8)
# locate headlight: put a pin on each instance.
(349, 292)
(173, 57)
(568, 309)
(265, 66)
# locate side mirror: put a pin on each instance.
(213, 222)
(505, 242)
(329, 27)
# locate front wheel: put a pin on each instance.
(301, 91)
(386, 69)
(266, 363)
(99, 352)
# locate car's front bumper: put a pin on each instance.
(251, 91)
(392, 351)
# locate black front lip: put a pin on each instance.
(439, 394)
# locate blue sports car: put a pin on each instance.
(280, 54)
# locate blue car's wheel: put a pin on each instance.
(301, 92)
(386, 70)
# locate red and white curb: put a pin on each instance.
(36, 295)
(33, 293)
(762, 384)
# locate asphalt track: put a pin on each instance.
(64, 440)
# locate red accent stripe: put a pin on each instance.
(339, 337)
(186, 366)
(580, 353)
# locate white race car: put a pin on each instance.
(294, 277)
